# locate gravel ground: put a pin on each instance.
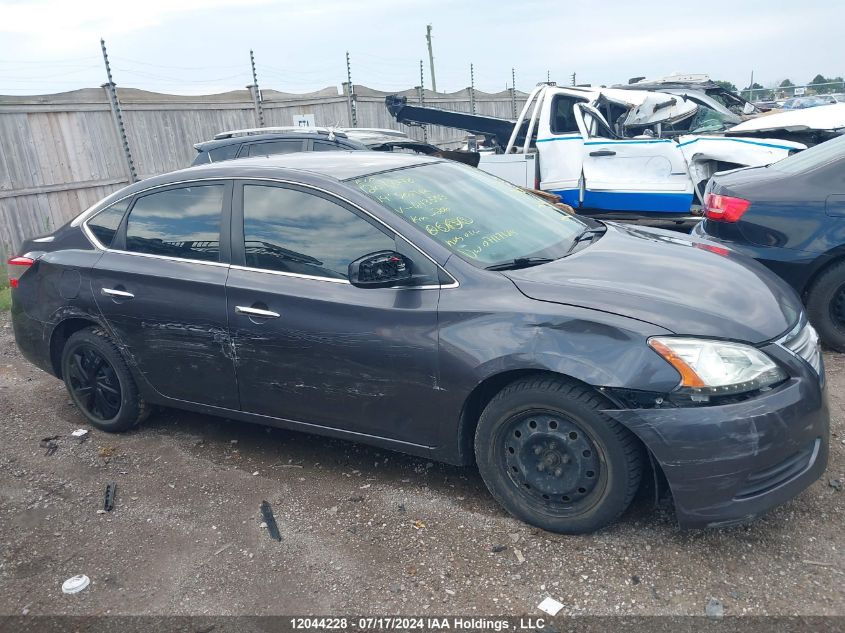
(363, 530)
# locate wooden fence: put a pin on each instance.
(61, 153)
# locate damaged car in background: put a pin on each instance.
(422, 305)
(624, 151)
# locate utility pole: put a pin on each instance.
(513, 92)
(114, 104)
(350, 93)
(573, 79)
(471, 89)
(548, 76)
(255, 93)
(422, 99)
(430, 58)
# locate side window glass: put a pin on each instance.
(296, 232)
(274, 147)
(321, 146)
(563, 117)
(105, 224)
(182, 222)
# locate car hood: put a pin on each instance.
(679, 283)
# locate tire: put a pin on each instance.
(99, 382)
(826, 306)
(552, 459)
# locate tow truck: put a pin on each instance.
(604, 151)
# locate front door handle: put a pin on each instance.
(119, 294)
(257, 312)
(603, 152)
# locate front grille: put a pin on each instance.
(772, 477)
(804, 343)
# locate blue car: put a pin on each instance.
(790, 216)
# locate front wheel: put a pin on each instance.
(551, 459)
(99, 382)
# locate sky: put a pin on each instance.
(202, 46)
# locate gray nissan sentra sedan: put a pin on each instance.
(424, 306)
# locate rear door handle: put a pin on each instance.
(603, 152)
(120, 294)
(257, 312)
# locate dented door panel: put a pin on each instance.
(646, 174)
(174, 327)
(363, 360)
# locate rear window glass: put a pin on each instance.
(104, 225)
(227, 152)
(817, 156)
(182, 222)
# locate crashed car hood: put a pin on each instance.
(827, 117)
(671, 281)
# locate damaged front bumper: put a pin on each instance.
(728, 464)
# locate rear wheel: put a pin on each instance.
(826, 306)
(99, 382)
(550, 458)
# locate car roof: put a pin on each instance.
(338, 165)
(271, 136)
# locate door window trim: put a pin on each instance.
(237, 229)
(120, 234)
(227, 228)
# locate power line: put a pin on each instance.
(135, 61)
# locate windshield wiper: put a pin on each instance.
(519, 262)
(586, 234)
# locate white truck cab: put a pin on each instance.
(588, 157)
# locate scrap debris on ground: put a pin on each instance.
(365, 530)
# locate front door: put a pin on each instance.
(312, 348)
(161, 288)
(630, 175)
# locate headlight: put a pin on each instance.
(711, 368)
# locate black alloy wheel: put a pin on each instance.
(93, 383)
(99, 381)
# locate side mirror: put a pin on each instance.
(381, 269)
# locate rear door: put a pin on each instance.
(311, 347)
(161, 288)
(630, 175)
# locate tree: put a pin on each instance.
(817, 84)
(785, 88)
(786, 84)
(754, 91)
(727, 85)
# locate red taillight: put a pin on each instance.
(17, 267)
(724, 208)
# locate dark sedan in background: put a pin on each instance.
(425, 306)
(790, 216)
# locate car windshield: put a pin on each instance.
(707, 119)
(816, 156)
(480, 217)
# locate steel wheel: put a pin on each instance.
(550, 456)
(553, 461)
(93, 383)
